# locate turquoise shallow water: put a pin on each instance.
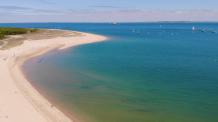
(145, 72)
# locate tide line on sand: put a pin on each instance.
(19, 100)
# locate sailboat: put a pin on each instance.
(193, 28)
(114, 23)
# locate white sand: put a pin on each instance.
(21, 102)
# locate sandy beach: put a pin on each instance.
(19, 100)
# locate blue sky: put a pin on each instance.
(107, 10)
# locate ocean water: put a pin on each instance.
(144, 72)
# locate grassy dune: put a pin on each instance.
(7, 42)
(14, 31)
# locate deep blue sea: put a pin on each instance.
(144, 72)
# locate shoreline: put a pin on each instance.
(19, 100)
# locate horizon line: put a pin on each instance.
(119, 22)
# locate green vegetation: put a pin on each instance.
(14, 31)
(1, 36)
(6, 42)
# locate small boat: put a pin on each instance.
(203, 30)
(161, 26)
(193, 28)
(214, 32)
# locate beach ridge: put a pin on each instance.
(19, 100)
